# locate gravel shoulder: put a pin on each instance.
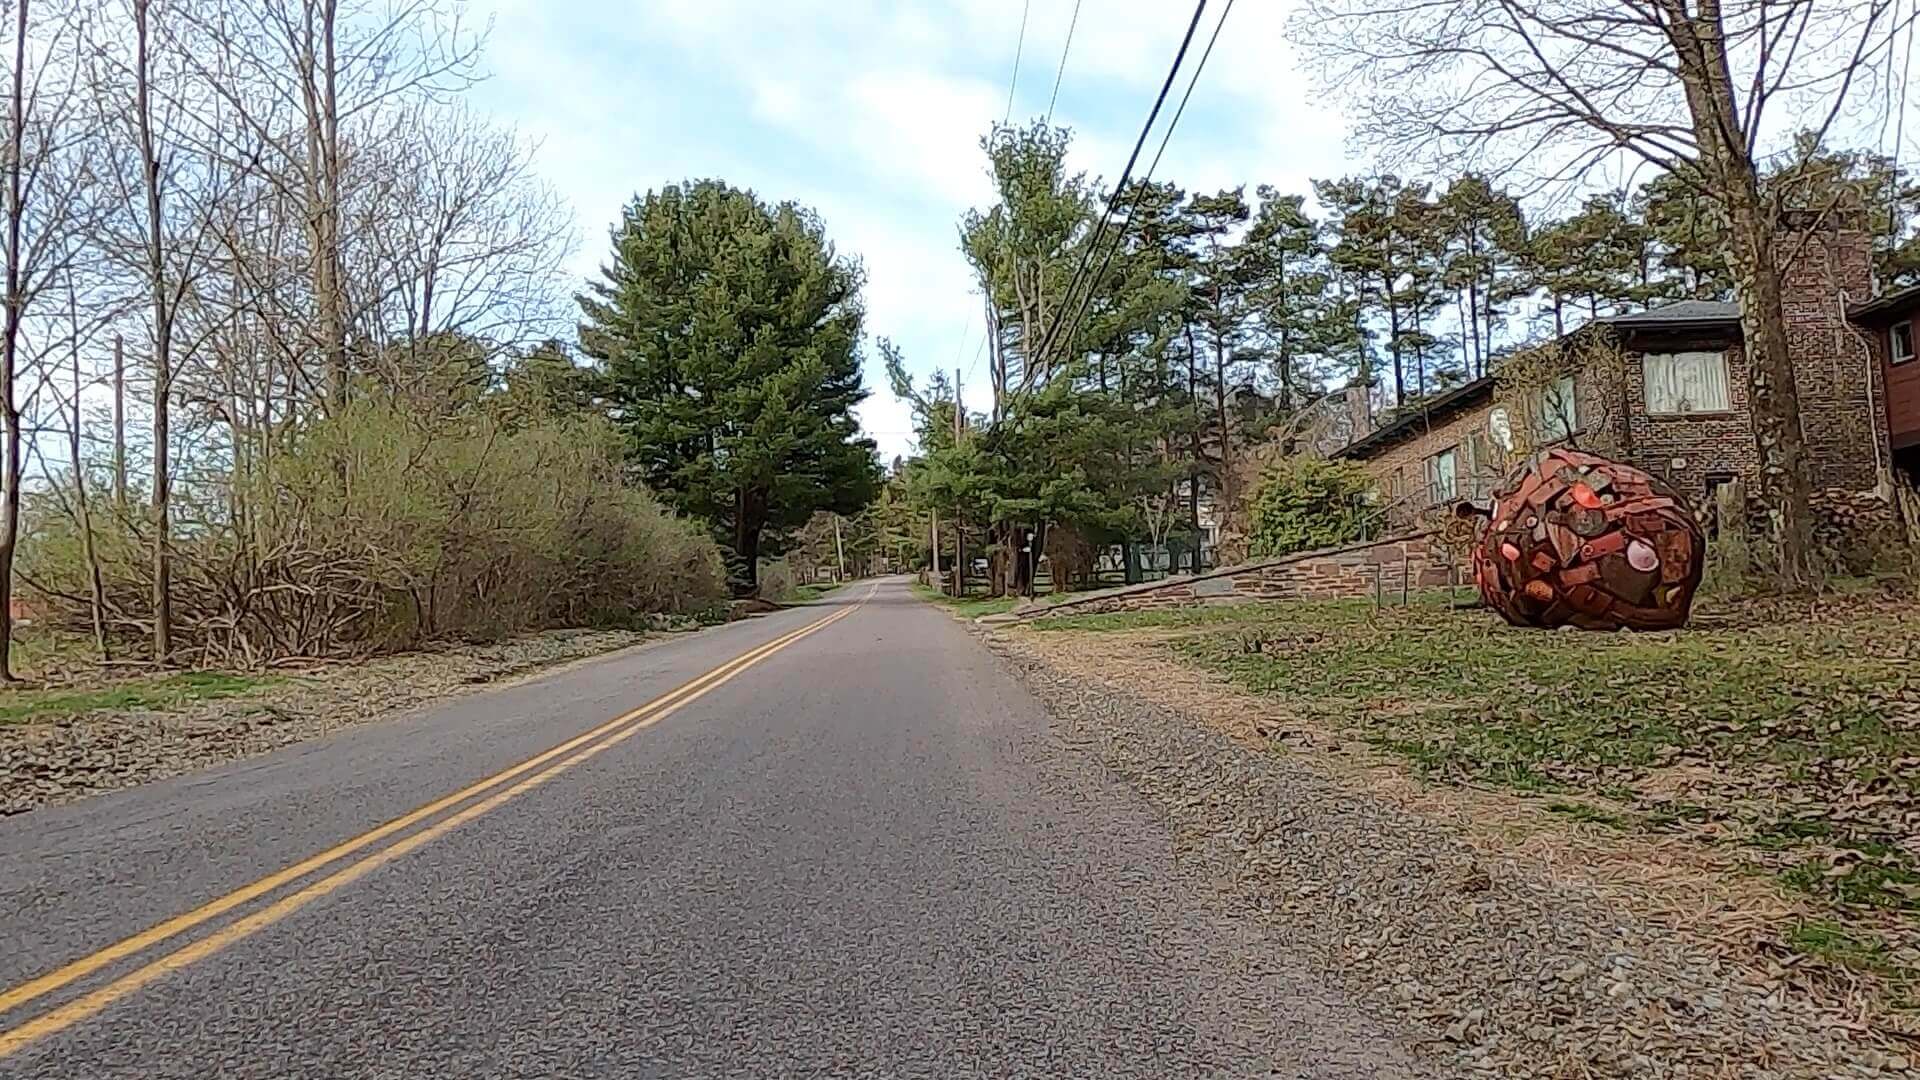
(1507, 951)
(44, 763)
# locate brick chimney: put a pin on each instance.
(1359, 411)
(1827, 268)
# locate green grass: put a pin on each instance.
(969, 607)
(151, 693)
(1838, 944)
(806, 594)
(1579, 811)
(1798, 705)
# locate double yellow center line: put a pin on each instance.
(503, 786)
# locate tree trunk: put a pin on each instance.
(10, 339)
(748, 523)
(162, 345)
(1226, 428)
(1700, 43)
(1199, 449)
(1773, 395)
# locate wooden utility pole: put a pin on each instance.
(163, 313)
(839, 550)
(959, 533)
(119, 426)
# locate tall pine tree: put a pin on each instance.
(730, 334)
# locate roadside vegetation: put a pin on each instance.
(156, 693)
(1786, 731)
(971, 606)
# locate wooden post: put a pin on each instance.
(1378, 600)
(839, 550)
(959, 532)
(119, 425)
(1406, 579)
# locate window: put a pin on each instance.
(1559, 418)
(1900, 341)
(1686, 382)
(1443, 476)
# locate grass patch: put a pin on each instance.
(1831, 941)
(153, 693)
(806, 594)
(967, 607)
(1579, 811)
(1807, 705)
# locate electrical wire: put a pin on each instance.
(1019, 46)
(1100, 228)
(1093, 284)
(1064, 50)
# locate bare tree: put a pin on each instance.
(311, 80)
(455, 237)
(46, 188)
(1551, 89)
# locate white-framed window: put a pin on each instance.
(1443, 475)
(1900, 342)
(1559, 415)
(1686, 382)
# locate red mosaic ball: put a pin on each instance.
(1577, 540)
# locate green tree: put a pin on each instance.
(729, 331)
(1304, 502)
(1484, 238)
(1387, 241)
(1689, 232)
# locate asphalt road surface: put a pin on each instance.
(856, 852)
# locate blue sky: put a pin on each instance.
(871, 112)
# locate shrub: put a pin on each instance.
(1305, 502)
(379, 528)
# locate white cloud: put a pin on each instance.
(871, 111)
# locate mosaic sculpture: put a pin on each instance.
(1577, 540)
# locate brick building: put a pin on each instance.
(1668, 393)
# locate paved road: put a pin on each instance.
(863, 855)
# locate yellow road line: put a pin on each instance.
(640, 717)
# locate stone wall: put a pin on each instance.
(1415, 560)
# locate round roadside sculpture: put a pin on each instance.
(1577, 540)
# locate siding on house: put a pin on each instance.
(1902, 410)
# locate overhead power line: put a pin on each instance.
(1139, 196)
(1019, 46)
(1064, 50)
(1119, 189)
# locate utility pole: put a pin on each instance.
(119, 426)
(935, 515)
(959, 533)
(839, 550)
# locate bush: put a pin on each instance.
(380, 528)
(1304, 502)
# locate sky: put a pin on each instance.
(871, 112)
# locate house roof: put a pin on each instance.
(1680, 313)
(1413, 417)
(1886, 309)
